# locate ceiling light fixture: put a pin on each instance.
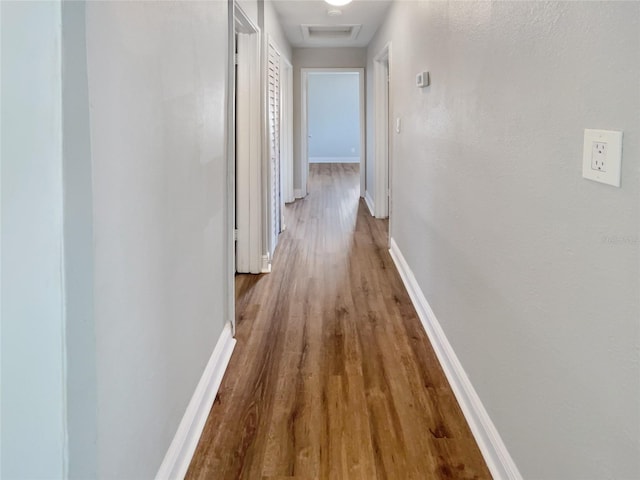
(334, 12)
(338, 3)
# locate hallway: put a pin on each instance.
(333, 376)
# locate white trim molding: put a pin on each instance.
(249, 146)
(286, 131)
(382, 140)
(369, 201)
(266, 264)
(334, 159)
(184, 443)
(493, 449)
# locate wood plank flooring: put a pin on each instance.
(333, 376)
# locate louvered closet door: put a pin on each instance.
(274, 141)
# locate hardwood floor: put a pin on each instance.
(333, 376)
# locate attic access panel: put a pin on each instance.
(330, 32)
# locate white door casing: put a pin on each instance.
(230, 245)
(248, 151)
(382, 79)
(286, 142)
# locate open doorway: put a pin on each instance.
(332, 119)
(382, 194)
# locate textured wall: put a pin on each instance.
(157, 77)
(274, 30)
(532, 271)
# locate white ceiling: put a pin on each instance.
(295, 13)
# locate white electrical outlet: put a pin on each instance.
(599, 156)
(602, 156)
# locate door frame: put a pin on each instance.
(382, 142)
(230, 238)
(304, 122)
(247, 134)
(268, 203)
(286, 128)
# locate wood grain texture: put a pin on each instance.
(333, 376)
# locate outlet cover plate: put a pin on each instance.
(602, 156)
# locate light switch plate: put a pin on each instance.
(602, 156)
(422, 80)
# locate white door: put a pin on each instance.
(275, 200)
(248, 148)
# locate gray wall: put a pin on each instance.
(334, 115)
(316, 58)
(532, 271)
(273, 29)
(78, 244)
(32, 313)
(114, 207)
(157, 80)
(250, 8)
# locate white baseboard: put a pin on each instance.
(178, 457)
(369, 201)
(266, 264)
(491, 445)
(334, 159)
(297, 193)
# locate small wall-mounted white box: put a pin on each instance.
(422, 79)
